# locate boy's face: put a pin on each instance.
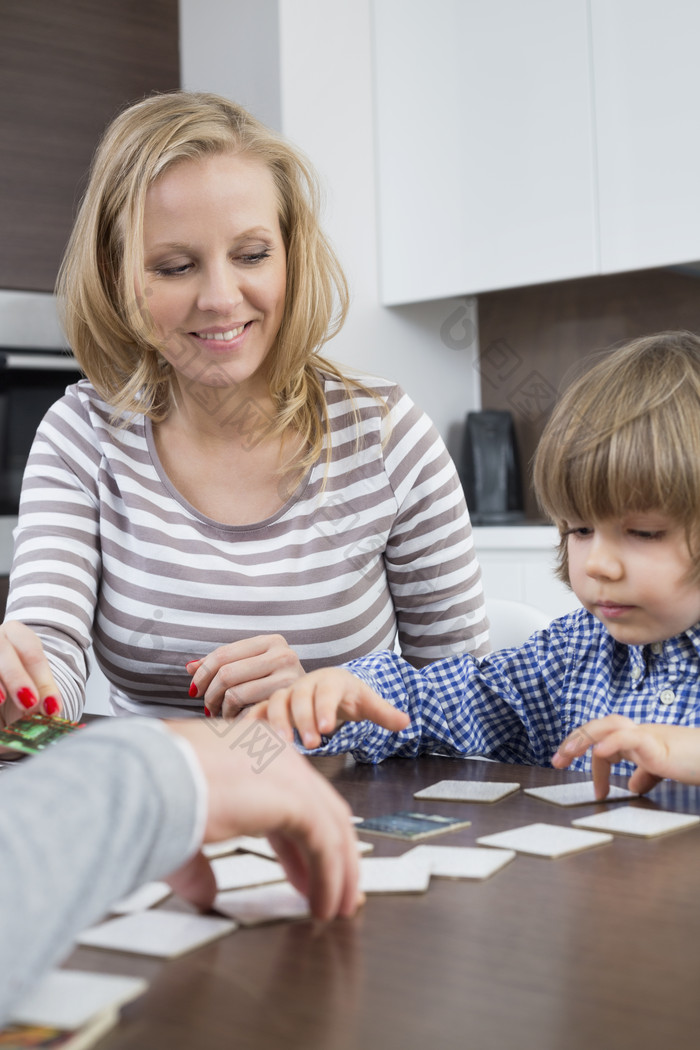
(632, 573)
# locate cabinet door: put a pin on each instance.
(484, 143)
(645, 55)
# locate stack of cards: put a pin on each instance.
(70, 1009)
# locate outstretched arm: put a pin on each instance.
(69, 852)
(321, 701)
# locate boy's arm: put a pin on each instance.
(498, 707)
(658, 751)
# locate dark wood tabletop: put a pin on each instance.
(594, 950)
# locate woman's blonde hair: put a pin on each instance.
(108, 324)
(625, 438)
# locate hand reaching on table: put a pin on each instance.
(27, 685)
(321, 701)
(658, 751)
(242, 673)
(306, 820)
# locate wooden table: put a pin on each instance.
(595, 950)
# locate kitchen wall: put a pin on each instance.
(306, 69)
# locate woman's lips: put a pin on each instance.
(226, 336)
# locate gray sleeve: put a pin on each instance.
(81, 825)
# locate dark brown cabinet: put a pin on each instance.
(66, 68)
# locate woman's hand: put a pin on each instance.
(245, 672)
(658, 751)
(27, 685)
(321, 701)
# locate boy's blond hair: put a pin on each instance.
(108, 324)
(625, 438)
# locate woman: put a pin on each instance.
(218, 507)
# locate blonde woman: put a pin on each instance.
(217, 507)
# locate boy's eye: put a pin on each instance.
(580, 531)
(648, 534)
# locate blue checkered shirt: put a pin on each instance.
(517, 705)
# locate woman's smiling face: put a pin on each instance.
(216, 269)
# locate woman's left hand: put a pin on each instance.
(245, 672)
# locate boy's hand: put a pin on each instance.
(321, 701)
(658, 751)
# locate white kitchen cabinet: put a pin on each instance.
(647, 110)
(484, 145)
(521, 143)
(518, 563)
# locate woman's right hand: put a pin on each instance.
(27, 685)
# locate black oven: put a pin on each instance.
(30, 382)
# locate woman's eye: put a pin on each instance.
(171, 271)
(251, 258)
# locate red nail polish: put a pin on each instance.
(207, 712)
(193, 690)
(2, 697)
(51, 705)
(26, 697)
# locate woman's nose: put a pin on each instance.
(219, 290)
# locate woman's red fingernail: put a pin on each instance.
(194, 660)
(2, 697)
(26, 697)
(193, 690)
(51, 705)
(207, 712)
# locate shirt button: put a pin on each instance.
(667, 696)
(636, 673)
(657, 647)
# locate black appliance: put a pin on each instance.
(30, 382)
(490, 469)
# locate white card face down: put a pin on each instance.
(249, 843)
(545, 840)
(146, 896)
(163, 934)
(70, 998)
(579, 793)
(261, 904)
(634, 820)
(461, 862)
(393, 875)
(245, 869)
(468, 790)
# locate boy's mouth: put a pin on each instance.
(613, 609)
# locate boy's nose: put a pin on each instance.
(603, 561)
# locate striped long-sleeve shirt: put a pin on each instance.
(108, 553)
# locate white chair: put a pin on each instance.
(512, 622)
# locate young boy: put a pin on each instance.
(618, 471)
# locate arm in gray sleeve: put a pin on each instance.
(81, 825)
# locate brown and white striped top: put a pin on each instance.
(108, 552)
